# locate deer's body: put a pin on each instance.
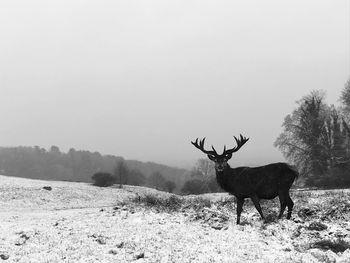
(263, 182)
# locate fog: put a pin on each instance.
(141, 79)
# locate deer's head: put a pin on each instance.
(220, 160)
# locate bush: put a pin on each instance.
(170, 204)
(198, 203)
(103, 179)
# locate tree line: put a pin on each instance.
(123, 175)
(80, 166)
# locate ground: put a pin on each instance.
(78, 222)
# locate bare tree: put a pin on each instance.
(203, 178)
(121, 172)
(305, 139)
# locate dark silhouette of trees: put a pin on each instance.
(76, 165)
(157, 180)
(194, 186)
(170, 186)
(136, 177)
(103, 179)
(202, 179)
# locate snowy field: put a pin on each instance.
(78, 222)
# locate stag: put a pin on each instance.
(263, 182)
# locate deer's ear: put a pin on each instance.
(211, 157)
(228, 156)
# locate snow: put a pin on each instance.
(78, 222)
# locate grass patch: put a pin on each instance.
(271, 217)
(228, 203)
(325, 205)
(198, 203)
(173, 202)
(169, 204)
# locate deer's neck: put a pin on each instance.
(226, 178)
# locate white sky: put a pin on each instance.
(140, 79)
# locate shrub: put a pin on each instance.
(170, 204)
(173, 203)
(336, 246)
(103, 179)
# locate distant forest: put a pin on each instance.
(80, 166)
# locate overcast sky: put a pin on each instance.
(141, 79)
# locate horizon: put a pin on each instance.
(142, 80)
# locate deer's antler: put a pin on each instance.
(240, 142)
(200, 146)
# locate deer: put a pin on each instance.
(263, 182)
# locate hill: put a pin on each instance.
(177, 175)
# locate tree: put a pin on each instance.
(157, 180)
(305, 138)
(103, 179)
(314, 139)
(205, 168)
(55, 150)
(204, 171)
(338, 138)
(121, 172)
(345, 100)
(170, 186)
(345, 110)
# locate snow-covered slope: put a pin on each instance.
(77, 222)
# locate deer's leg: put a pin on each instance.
(283, 200)
(290, 205)
(256, 203)
(240, 202)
